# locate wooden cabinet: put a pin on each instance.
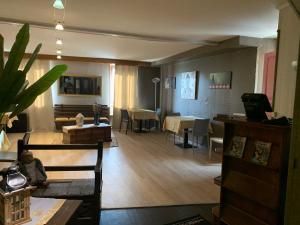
(253, 193)
(87, 135)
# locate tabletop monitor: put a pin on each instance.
(256, 106)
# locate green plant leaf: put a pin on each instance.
(8, 85)
(26, 83)
(11, 94)
(1, 55)
(32, 58)
(17, 51)
(27, 97)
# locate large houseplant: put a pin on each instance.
(15, 96)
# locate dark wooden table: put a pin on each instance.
(87, 134)
(63, 215)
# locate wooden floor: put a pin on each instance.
(145, 170)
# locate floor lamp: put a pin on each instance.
(155, 81)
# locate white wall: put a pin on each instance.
(289, 26)
(83, 69)
(266, 45)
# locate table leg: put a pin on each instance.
(185, 143)
(140, 127)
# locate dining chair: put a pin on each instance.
(200, 129)
(125, 119)
(154, 123)
(216, 137)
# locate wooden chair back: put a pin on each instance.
(79, 192)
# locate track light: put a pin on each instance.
(58, 4)
(59, 26)
(58, 57)
(58, 52)
(59, 41)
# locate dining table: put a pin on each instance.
(141, 115)
(177, 124)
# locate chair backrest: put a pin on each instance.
(124, 114)
(158, 111)
(201, 127)
(23, 145)
(173, 114)
(217, 129)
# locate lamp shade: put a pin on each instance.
(59, 41)
(155, 80)
(59, 26)
(58, 4)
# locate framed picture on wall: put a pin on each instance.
(220, 80)
(170, 82)
(80, 85)
(188, 85)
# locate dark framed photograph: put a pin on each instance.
(220, 80)
(170, 82)
(262, 151)
(237, 146)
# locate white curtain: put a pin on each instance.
(41, 115)
(125, 95)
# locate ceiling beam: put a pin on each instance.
(108, 33)
(231, 44)
(88, 59)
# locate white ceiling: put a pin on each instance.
(196, 20)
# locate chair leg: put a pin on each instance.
(120, 126)
(193, 142)
(207, 141)
(127, 125)
(210, 149)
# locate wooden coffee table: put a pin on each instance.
(87, 134)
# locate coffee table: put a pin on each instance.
(87, 134)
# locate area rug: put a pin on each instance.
(112, 144)
(191, 221)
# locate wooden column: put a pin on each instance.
(292, 207)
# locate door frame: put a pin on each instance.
(292, 206)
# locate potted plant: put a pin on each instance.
(15, 95)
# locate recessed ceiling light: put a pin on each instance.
(59, 41)
(58, 57)
(58, 51)
(59, 26)
(58, 4)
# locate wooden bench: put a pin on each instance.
(87, 190)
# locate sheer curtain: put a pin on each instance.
(125, 96)
(41, 115)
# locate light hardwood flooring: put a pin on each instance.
(145, 170)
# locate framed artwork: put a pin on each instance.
(262, 152)
(237, 146)
(188, 85)
(220, 80)
(170, 82)
(80, 85)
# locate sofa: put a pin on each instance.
(65, 115)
